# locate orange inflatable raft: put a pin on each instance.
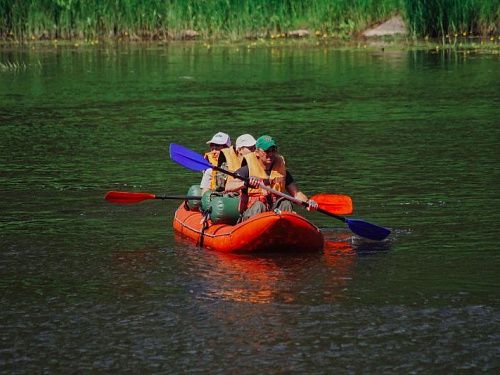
(266, 232)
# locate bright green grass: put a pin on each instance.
(236, 19)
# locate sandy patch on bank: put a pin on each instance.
(393, 26)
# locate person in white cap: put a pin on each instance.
(245, 144)
(223, 155)
(219, 139)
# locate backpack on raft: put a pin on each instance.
(220, 209)
(194, 205)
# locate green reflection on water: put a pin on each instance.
(411, 136)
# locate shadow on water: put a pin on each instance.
(359, 246)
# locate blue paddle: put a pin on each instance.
(194, 161)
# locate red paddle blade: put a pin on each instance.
(334, 203)
(124, 197)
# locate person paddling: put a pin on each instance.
(266, 166)
(221, 154)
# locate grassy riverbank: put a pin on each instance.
(24, 20)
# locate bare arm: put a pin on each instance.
(253, 182)
(295, 192)
(234, 185)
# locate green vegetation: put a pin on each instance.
(438, 18)
(236, 19)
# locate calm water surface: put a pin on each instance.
(85, 286)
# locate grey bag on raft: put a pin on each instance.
(194, 190)
(221, 209)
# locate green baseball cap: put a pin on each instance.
(265, 142)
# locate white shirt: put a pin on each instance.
(206, 179)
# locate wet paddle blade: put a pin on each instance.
(367, 230)
(187, 158)
(124, 197)
(334, 203)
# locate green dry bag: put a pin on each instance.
(206, 198)
(221, 209)
(224, 210)
(194, 190)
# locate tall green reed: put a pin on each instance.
(158, 19)
(443, 17)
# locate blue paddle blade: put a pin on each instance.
(368, 230)
(187, 158)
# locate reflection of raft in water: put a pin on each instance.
(266, 232)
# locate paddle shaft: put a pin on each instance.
(125, 197)
(276, 192)
(359, 227)
(280, 194)
(184, 197)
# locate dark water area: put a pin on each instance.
(411, 136)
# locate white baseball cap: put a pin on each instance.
(245, 140)
(220, 139)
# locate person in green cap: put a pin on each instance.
(266, 166)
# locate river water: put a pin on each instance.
(411, 136)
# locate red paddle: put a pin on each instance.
(333, 203)
(125, 197)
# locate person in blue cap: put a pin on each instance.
(265, 165)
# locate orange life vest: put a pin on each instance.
(232, 163)
(213, 158)
(277, 178)
(232, 160)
